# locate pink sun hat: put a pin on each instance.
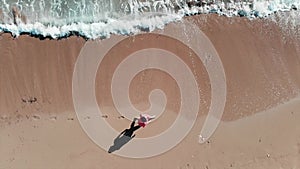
(145, 119)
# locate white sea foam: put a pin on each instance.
(101, 18)
(93, 30)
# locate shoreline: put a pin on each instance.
(270, 18)
(259, 127)
(275, 66)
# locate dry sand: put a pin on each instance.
(266, 140)
(259, 128)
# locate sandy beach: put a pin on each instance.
(259, 128)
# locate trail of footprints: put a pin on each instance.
(17, 118)
(33, 103)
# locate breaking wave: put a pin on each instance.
(101, 18)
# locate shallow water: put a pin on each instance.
(100, 18)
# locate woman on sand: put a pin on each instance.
(144, 119)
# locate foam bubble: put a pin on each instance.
(100, 19)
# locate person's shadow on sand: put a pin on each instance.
(124, 137)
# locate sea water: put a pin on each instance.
(101, 18)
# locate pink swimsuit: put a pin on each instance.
(144, 119)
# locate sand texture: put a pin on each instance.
(259, 128)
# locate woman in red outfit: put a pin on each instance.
(144, 119)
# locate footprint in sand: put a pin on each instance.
(104, 116)
(53, 118)
(121, 117)
(36, 117)
(70, 119)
